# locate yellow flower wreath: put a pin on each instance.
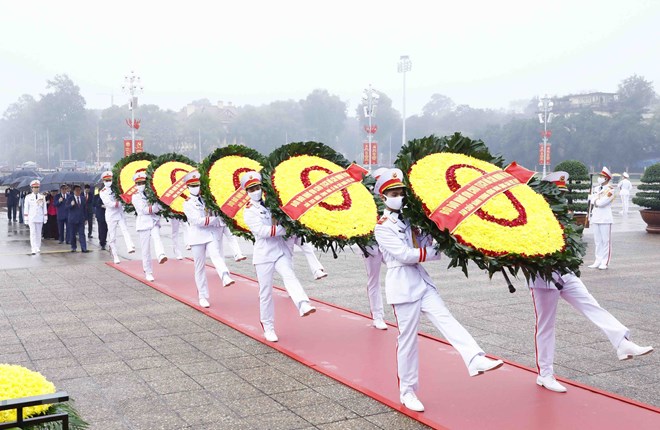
(342, 214)
(500, 228)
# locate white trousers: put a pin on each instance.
(35, 236)
(407, 353)
(545, 307)
(145, 247)
(603, 242)
(112, 236)
(372, 264)
(625, 201)
(310, 254)
(176, 247)
(265, 271)
(214, 251)
(233, 242)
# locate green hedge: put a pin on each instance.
(648, 195)
(579, 184)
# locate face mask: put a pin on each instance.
(394, 203)
(140, 188)
(194, 190)
(255, 195)
(601, 180)
(107, 183)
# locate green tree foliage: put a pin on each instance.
(323, 115)
(636, 93)
(648, 195)
(578, 184)
(438, 106)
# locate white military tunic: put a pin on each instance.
(409, 288)
(114, 217)
(271, 253)
(147, 225)
(35, 215)
(601, 220)
(204, 236)
(546, 295)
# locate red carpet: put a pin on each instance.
(342, 344)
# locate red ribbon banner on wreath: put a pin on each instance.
(174, 191)
(235, 202)
(473, 195)
(321, 189)
(128, 195)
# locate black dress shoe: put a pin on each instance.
(103, 247)
(73, 250)
(85, 251)
(60, 242)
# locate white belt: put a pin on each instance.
(396, 263)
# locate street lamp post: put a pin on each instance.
(545, 117)
(132, 86)
(405, 65)
(369, 101)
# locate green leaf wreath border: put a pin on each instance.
(116, 170)
(167, 212)
(209, 199)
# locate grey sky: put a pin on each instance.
(481, 53)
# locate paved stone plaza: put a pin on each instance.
(133, 358)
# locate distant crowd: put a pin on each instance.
(65, 222)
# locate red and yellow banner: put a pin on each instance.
(473, 195)
(128, 147)
(321, 189)
(139, 146)
(374, 153)
(235, 203)
(127, 197)
(174, 191)
(547, 154)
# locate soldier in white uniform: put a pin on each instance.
(114, 217)
(625, 186)
(601, 219)
(410, 290)
(205, 237)
(147, 225)
(546, 294)
(372, 264)
(35, 215)
(271, 253)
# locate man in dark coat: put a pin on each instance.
(77, 218)
(12, 196)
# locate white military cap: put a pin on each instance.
(35, 183)
(559, 179)
(141, 174)
(376, 173)
(106, 176)
(390, 178)
(626, 175)
(192, 178)
(249, 179)
(606, 173)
